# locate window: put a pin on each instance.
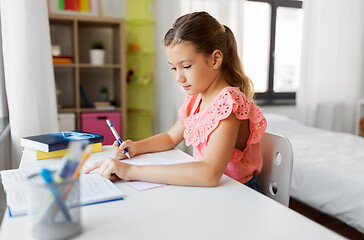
(272, 48)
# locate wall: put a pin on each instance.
(287, 110)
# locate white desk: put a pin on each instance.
(229, 211)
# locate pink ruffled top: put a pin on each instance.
(199, 126)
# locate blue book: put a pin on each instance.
(57, 141)
(83, 93)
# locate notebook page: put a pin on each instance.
(93, 189)
(150, 159)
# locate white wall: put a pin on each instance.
(287, 110)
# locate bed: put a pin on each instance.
(328, 169)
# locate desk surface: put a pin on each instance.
(229, 211)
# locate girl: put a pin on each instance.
(218, 116)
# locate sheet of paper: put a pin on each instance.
(150, 159)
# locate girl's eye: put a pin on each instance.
(173, 69)
(187, 66)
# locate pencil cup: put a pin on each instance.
(53, 209)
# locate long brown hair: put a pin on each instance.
(208, 35)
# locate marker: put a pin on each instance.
(116, 135)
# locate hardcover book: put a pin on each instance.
(38, 155)
(58, 141)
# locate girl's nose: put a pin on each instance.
(180, 78)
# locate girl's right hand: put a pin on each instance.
(118, 150)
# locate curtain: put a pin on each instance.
(28, 71)
(228, 12)
(332, 72)
(5, 158)
(169, 96)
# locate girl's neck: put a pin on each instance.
(212, 91)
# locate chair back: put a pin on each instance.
(275, 177)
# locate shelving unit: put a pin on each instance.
(75, 34)
(140, 26)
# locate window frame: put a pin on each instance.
(270, 97)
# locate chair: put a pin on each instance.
(275, 177)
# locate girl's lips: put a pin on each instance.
(186, 87)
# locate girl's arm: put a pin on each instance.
(206, 172)
(163, 141)
(157, 143)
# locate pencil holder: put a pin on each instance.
(53, 209)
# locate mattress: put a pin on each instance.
(328, 169)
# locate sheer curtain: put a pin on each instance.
(28, 71)
(168, 96)
(332, 72)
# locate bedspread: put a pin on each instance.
(328, 169)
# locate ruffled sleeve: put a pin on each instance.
(186, 108)
(230, 100)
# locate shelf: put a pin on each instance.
(93, 19)
(140, 22)
(63, 110)
(150, 112)
(64, 65)
(117, 109)
(75, 34)
(141, 53)
(106, 66)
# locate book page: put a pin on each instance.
(93, 189)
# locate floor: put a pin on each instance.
(326, 220)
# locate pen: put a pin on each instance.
(71, 160)
(86, 154)
(116, 135)
(48, 179)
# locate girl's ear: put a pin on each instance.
(217, 58)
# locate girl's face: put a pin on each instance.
(194, 71)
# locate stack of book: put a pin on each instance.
(62, 59)
(55, 144)
(103, 105)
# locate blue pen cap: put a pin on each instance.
(47, 175)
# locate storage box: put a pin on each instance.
(96, 123)
(66, 121)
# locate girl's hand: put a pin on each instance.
(118, 151)
(111, 169)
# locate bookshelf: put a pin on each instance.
(75, 35)
(140, 61)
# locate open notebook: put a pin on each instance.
(173, 156)
(93, 189)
